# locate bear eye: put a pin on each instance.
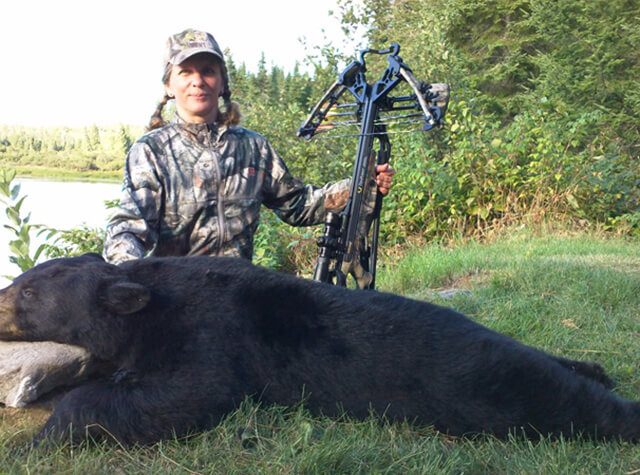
(27, 293)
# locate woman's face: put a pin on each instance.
(196, 84)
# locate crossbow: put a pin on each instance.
(349, 243)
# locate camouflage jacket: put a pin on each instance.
(192, 189)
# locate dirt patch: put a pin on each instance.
(467, 281)
(463, 284)
(19, 425)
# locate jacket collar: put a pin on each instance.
(202, 133)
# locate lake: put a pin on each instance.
(60, 205)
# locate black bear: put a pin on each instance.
(192, 337)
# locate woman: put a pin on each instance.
(195, 185)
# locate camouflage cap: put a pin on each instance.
(189, 42)
(185, 44)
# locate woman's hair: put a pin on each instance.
(228, 116)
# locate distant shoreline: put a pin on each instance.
(49, 173)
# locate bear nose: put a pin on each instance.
(8, 324)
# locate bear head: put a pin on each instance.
(68, 300)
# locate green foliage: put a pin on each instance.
(74, 242)
(22, 230)
(282, 247)
(588, 60)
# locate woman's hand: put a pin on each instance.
(384, 178)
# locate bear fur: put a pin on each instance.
(192, 337)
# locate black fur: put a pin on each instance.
(193, 336)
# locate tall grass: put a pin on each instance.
(572, 295)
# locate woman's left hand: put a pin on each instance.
(384, 178)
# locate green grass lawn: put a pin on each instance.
(572, 295)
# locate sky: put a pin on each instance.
(83, 62)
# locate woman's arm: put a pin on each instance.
(133, 229)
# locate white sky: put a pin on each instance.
(84, 62)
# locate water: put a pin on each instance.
(60, 205)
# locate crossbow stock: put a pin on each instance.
(349, 243)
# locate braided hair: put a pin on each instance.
(228, 116)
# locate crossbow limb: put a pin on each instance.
(319, 112)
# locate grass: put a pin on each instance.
(572, 295)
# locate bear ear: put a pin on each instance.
(126, 297)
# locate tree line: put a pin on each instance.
(83, 150)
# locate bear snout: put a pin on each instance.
(8, 323)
